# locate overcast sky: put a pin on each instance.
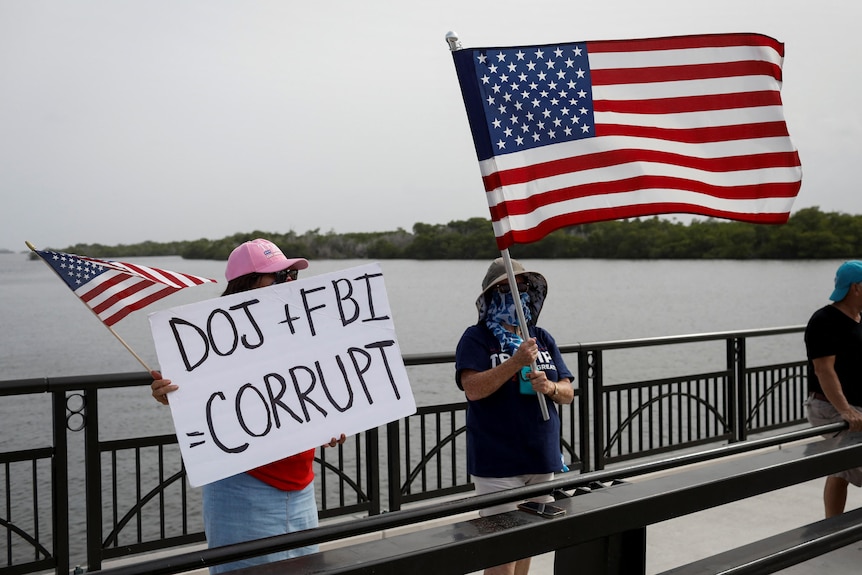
(123, 121)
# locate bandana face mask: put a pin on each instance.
(501, 310)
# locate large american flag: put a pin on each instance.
(115, 289)
(583, 132)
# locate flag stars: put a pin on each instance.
(550, 91)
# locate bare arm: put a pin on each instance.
(824, 367)
(481, 384)
(560, 391)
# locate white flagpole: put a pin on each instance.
(454, 46)
(109, 328)
(522, 322)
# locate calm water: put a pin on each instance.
(47, 331)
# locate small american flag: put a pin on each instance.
(115, 289)
(583, 132)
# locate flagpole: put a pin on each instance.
(109, 328)
(522, 322)
(454, 46)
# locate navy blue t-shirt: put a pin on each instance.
(831, 332)
(506, 435)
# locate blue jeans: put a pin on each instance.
(242, 508)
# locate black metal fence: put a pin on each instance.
(137, 499)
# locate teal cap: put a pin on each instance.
(849, 273)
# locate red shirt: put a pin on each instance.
(292, 473)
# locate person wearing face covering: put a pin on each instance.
(508, 443)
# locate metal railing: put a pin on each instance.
(137, 499)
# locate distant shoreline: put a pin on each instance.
(808, 235)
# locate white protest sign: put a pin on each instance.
(271, 372)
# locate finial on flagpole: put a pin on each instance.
(453, 41)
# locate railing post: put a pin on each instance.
(60, 484)
(736, 396)
(741, 389)
(93, 479)
(393, 460)
(372, 458)
(596, 382)
(584, 359)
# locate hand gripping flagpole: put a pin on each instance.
(454, 46)
(522, 323)
(109, 328)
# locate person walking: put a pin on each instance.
(833, 344)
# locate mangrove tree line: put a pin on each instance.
(809, 234)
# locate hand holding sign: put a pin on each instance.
(264, 374)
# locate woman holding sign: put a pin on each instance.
(509, 444)
(276, 498)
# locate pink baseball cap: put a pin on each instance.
(259, 256)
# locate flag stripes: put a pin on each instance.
(115, 289)
(630, 128)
